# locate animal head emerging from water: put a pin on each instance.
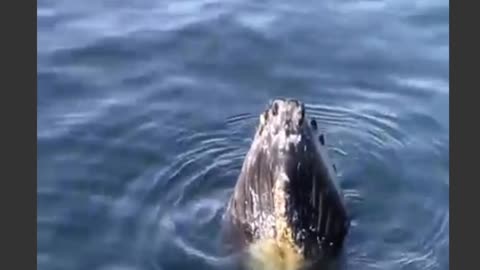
(286, 192)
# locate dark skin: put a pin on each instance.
(314, 208)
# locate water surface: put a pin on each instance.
(147, 108)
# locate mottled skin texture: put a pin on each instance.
(287, 190)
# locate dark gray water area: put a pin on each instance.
(147, 108)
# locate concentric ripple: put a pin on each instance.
(395, 223)
(172, 213)
(188, 198)
(372, 170)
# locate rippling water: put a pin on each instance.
(146, 109)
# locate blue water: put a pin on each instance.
(147, 108)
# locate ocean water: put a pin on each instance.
(147, 108)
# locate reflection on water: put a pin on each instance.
(146, 110)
